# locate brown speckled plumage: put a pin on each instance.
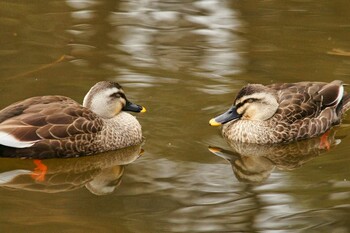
(57, 126)
(287, 111)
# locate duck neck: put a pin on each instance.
(248, 131)
(123, 129)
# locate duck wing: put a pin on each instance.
(45, 117)
(307, 99)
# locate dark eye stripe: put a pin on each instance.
(250, 100)
(115, 95)
(118, 95)
(122, 95)
(239, 105)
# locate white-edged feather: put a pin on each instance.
(9, 176)
(9, 140)
(340, 94)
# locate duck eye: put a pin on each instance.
(115, 95)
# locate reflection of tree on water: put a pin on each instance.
(100, 174)
(134, 36)
(90, 34)
(254, 163)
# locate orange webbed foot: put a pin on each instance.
(324, 142)
(39, 171)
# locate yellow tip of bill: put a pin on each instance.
(143, 109)
(213, 122)
(214, 149)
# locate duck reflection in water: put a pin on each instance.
(100, 174)
(253, 163)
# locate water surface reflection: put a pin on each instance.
(100, 174)
(185, 59)
(255, 163)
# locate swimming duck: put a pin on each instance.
(57, 126)
(283, 112)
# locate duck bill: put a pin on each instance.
(133, 107)
(227, 116)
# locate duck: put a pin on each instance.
(57, 126)
(283, 112)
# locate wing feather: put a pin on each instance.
(47, 117)
(307, 99)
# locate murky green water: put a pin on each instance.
(184, 61)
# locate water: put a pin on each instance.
(184, 61)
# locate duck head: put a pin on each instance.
(253, 102)
(107, 99)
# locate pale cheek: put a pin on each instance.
(118, 108)
(240, 111)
